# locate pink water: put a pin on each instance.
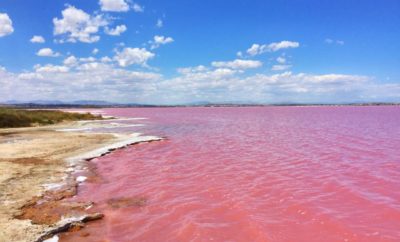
(254, 174)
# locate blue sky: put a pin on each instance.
(169, 52)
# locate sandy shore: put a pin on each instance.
(36, 173)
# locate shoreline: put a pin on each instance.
(39, 168)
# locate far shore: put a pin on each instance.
(38, 169)
(66, 106)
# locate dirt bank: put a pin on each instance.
(35, 175)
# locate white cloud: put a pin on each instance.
(137, 8)
(47, 52)
(95, 51)
(73, 83)
(237, 64)
(198, 83)
(114, 5)
(333, 78)
(6, 27)
(159, 23)
(331, 41)
(116, 31)
(77, 25)
(51, 69)
(30, 76)
(280, 67)
(71, 61)
(37, 39)
(200, 75)
(130, 56)
(91, 66)
(283, 45)
(106, 59)
(187, 70)
(87, 59)
(212, 86)
(281, 60)
(257, 49)
(160, 40)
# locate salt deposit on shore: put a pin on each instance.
(39, 159)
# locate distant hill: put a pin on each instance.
(42, 102)
(72, 104)
(56, 102)
(100, 104)
(93, 102)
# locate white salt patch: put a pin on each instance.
(68, 220)
(8, 202)
(81, 178)
(120, 125)
(112, 126)
(52, 186)
(124, 140)
(52, 239)
(109, 120)
(73, 129)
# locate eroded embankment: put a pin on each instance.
(38, 172)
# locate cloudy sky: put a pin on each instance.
(171, 52)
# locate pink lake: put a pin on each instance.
(252, 174)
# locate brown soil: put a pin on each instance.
(33, 160)
(27, 161)
(30, 158)
(49, 208)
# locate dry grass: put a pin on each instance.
(14, 118)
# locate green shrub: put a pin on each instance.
(13, 118)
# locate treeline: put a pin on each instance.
(14, 118)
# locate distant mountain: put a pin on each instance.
(97, 104)
(92, 102)
(39, 102)
(199, 103)
(56, 102)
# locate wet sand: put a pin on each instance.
(36, 174)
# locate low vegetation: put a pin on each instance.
(13, 118)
